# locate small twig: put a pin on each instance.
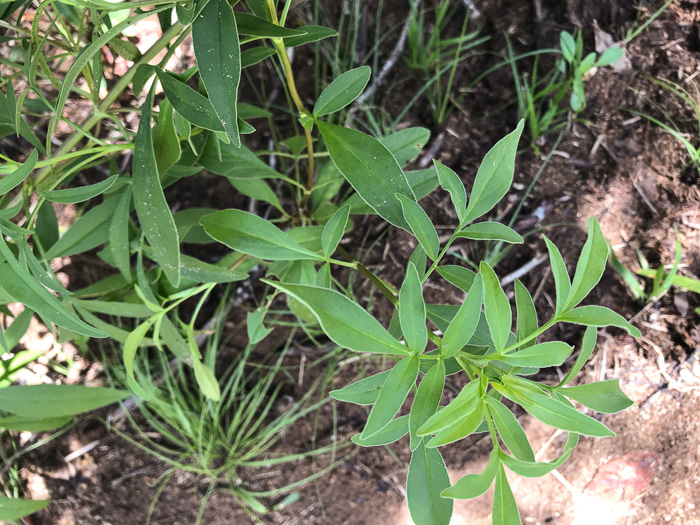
(82, 450)
(429, 155)
(523, 270)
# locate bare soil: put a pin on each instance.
(624, 170)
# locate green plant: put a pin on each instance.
(657, 281)
(157, 292)
(432, 55)
(669, 125)
(541, 100)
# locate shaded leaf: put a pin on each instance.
(601, 396)
(474, 485)
(427, 478)
(496, 307)
(426, 400)
(53, 401)
(362, 392)
(412, 311)
(420, 225)
(598, 316)
(491, 231)
(393, 431)
(342, 91)
(463, 325)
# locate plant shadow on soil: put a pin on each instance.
(626, 172)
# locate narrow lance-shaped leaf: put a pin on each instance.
(526, 314)
(590, 266)
(474, 485)
(153, 211)
(371, 170)
(496, 307)
(313, 34)
(252, 25)
(412, 311)
(466, 423)
(15, 178)
(50, 401)
(75, 195)
(427, 400)
(587, 346)
(393, 431)
(505, 509)
(427, 478)
(344, 322)
(598, 316)
(463, 325)
(119, 235)
(342, 91)
(464, 403)
(601, 396)
(494, 176)
(248, 233)
(552, 353)
(459, 276)
(491, 231)
(420, 225)
(25, 289)
(13, 508)
(206, 380)
(334, 229)
(406, 144)
(362, 392)
(535, 470)
(131, 345)
(218, 52)
(510, 430)
(451, 182)
(562, 283)
(401, 379)
(189, 103)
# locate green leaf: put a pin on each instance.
(14, 179)
(88, 232)
(420, 225)
(313, 34)
(401, 378)
(466, 423)
(257, 331)
(25, 289)
(248, 233)
(427, 478)
(362, 392)
(427, 399)
(201, 272)
(393, 431)
(406, 144)
(218, 53)
(568, 46)
(257, 189)
(510, 430)
(496, 307)
(494, 176)
(587, 346)
(598, 316)
(474, 485)
(206, 380)
(371, 170)
(459, 276)
(419, 259)
(27, 424)
(54, 401)
(464, 323)
(344, 322)
(119, 235)
(46, 226)
(255, 55)
(334, 229)
(342, 91)
(259, 27)
(539, 469)
(196, 108)
(552, 353)
(561, 275)
(18, 328)
(464, 403)
(556, 414)
(505, 509)
(116, 308)
(451, 182)
(151, 207)
(526, 313)
(166, 143)
(610, 56)
(131, 345)
(233, 162)
(601, 396)
(14, 509)
(412, 311)
(491, 231)
(590, 266)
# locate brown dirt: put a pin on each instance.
(623, 170)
